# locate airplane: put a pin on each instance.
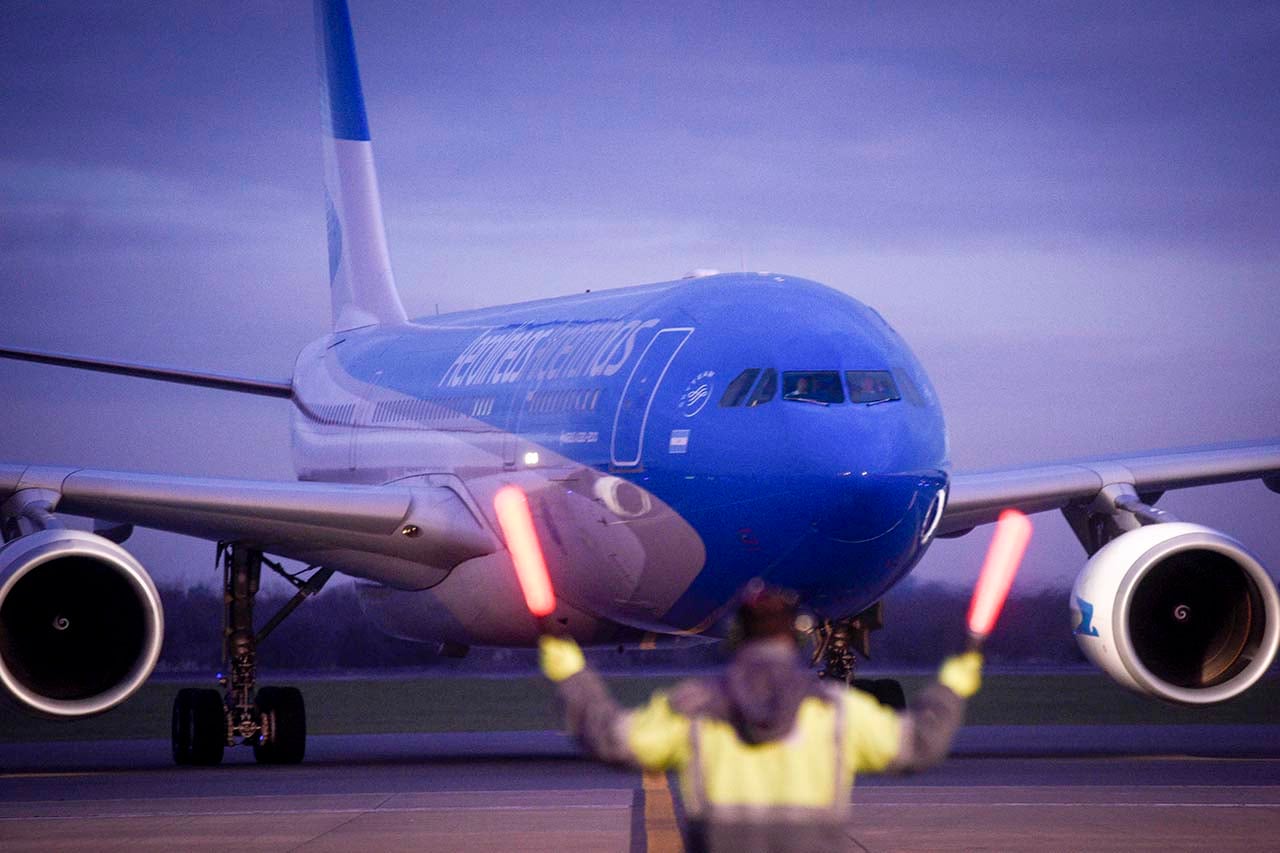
(620, 413)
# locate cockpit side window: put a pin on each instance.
(871, 386)
(738, 388)
(766, 389)
(812, 386)
(907, 386)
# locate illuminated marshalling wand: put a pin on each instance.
(1013, 532)
(516, 522)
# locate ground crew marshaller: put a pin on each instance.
(766, 752)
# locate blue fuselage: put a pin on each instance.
(650, 408)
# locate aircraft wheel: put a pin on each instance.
(284, 722)
(887, 691)
(199, 732)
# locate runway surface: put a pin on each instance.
(532, 791)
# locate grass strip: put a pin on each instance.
(382, 704)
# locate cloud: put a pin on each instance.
(111, 209)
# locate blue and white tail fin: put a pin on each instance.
(362, 287)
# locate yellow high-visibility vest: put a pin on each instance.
(811, 768)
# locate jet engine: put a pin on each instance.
(1179, 611)
(80, 623)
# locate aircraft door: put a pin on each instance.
(637, 395)
(511, 430)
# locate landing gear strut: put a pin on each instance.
(271, 719)
(835, 644)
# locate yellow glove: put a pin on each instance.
(962, 673)
(559, 657)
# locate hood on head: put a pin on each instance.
(764, 685)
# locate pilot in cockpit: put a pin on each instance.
(803, 390)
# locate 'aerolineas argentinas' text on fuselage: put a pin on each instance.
(550, 351)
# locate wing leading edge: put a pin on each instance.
(406, 536)
(977, 498)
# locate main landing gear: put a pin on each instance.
(836, 641)
(272, 720)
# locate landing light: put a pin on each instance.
(531, 458)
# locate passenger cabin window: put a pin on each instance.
(766, 389)
(871, 386)
(812, 386)
(738, 388)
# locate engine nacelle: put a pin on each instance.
(1178, 611)
(80, 623)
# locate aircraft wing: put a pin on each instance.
(978, 497)
(409, 536)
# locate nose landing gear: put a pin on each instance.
(270, 719)
(835, 644)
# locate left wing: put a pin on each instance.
(977, 498)
(81, 622)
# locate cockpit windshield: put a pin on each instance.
(871, 386)
(756, 386)
(812, 386)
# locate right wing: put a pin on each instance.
(409, 536)
(1170, 609)
(977, 498)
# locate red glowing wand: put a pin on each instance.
(1013, 532)
(516, 522)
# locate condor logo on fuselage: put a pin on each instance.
(696, 394)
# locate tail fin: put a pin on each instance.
(362, 287)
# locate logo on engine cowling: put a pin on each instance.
(1083, 613)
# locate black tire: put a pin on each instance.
(284, 718)
(199, 731)
(887, 691)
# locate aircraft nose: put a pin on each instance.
(861, 533)
(861, 506)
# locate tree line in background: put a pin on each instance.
(330, 632)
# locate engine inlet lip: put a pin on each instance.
(44, 546)
(1205, 540)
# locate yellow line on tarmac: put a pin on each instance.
(660, 828)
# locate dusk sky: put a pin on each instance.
(1071, 211)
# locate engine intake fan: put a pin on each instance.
(81, 623)
(1179, 611)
